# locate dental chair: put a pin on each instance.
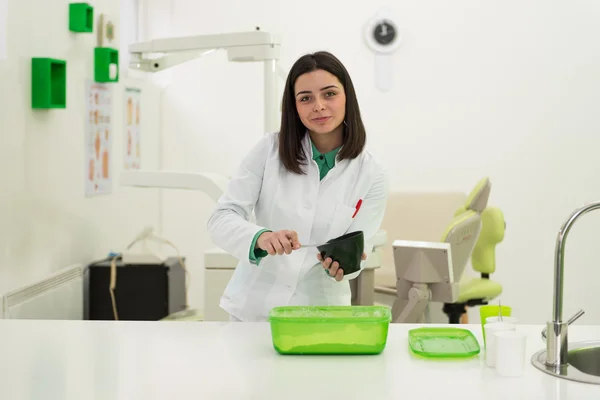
(480, 290)
(432, 271)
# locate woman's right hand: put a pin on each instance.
(278, 242)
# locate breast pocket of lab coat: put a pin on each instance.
(340, 221)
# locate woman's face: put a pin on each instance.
(320, 101)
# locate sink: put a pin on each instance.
(578, 361)
(583, 363)
(586, 359)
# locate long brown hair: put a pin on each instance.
(292, 130)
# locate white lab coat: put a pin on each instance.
(316, 210)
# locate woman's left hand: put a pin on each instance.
(333, 268)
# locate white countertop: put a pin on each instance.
(88, 360)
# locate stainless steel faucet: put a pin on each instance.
(557, 342)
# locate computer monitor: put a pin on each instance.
(424, 273)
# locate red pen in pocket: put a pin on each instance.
(357, 207)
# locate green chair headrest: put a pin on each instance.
(478, 198)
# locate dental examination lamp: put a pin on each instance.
(161, 54)
(253, 46)
(424, 274)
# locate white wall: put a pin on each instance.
(504, 89)
(46, 221)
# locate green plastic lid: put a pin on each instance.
(443, 342)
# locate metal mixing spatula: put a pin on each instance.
(311, 245)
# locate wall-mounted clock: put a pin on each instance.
(383, 37)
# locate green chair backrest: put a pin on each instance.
(483, 258)
(462, 234)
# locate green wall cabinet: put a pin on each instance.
(48, 83)
(81, 17)
(106, 64)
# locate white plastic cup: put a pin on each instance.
(490, 346)
(510, 320)
(511, 351)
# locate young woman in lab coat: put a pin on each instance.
(308, 183)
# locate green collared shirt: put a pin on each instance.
(325, 162)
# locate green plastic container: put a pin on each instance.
(330, 329)
(443, 342)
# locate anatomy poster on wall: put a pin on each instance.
(98, 139)
(132, 128)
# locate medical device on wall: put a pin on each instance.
(382, 36)
(425, 273)
(253, 46)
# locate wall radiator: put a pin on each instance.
(59, 296)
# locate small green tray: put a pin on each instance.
(443, 342)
